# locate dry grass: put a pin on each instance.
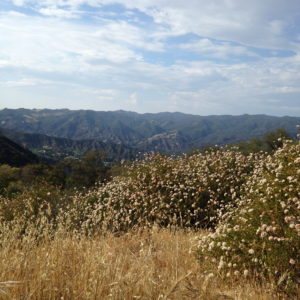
(138, 265)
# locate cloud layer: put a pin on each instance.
(202, 57)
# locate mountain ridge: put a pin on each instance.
(54, 148)
(167, 132)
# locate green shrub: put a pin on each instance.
(8, 175)
(14, 187)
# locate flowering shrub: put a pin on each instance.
(186, 191)
(252, 202)
(261, 236)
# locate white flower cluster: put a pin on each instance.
(265, 225)
(186, 191)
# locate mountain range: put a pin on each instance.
(55, 148)
(122, 134)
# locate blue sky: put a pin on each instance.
(197, 56)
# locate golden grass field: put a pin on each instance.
(156, 264)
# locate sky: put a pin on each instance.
(204, 57)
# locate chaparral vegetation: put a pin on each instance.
(218, 224)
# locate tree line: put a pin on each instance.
(67, 174)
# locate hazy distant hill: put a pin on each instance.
(55, 148)
(14, 155)
(165, 132)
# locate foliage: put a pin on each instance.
(268, 143)
(166, 191)
(261, 236)
(83, 172)
(66, 174)
(8, 175)
(249, 202)
(184, 191)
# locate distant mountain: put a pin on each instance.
(54, 148)
(163, 132)
(14, 155)
(169, 142)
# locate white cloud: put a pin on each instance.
(54, 45)
(18, 2)
(217, 50)
(64, 59)
(133, 99)
(54, 11)
(24, 82)
(255, 23)
(98, 93)
(242, 87)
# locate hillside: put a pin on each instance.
(164, 132)
(15, 155)
(55, 148)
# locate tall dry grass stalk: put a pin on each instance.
(149, 264)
